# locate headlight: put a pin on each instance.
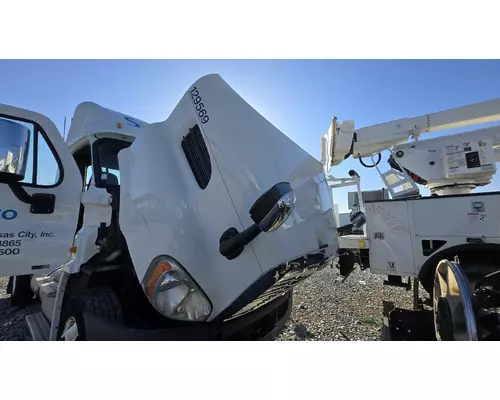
(174, 293)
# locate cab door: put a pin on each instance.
(40, 188)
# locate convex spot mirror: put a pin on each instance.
(14, 143)
(268, 212)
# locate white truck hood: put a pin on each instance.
(166, 210)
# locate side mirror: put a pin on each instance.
(358, 219)
(14, 143)
(268, 212)
(272, 209)
(14, 149)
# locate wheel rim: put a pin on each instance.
(453, 311)
(70, 331)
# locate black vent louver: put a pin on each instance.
(197, 156)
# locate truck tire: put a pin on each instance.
(100, 301)
(19, 288)
(474, 265)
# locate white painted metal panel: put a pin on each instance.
(31, 243)
(164, 211)
(460, 216)
(390, 238)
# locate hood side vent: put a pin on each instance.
(197, 156)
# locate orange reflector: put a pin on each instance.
(154, 275)
(119, 125)
(73, 249)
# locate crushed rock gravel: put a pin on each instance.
(327, 309)
(12, 323)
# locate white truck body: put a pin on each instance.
(404, 234)
(449, 242)
(399, 229)
(42, 240)
(163, 209)
(188, 222)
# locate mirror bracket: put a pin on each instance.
(41, 203)
(268, 213)
(232, 242)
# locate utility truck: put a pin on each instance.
(447, 241)
(194, 228)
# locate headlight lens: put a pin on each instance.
(174, 293)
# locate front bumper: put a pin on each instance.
(257, 314)
(261, 324)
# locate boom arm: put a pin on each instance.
(342, 140)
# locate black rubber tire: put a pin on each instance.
(20, 293)
(99, 301)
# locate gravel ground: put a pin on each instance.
(12, 323)
(324, 308)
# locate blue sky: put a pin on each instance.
(298, 96)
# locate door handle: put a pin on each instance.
(41, 203)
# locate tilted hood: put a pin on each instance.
(186, 180)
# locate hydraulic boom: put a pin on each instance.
(449, 164)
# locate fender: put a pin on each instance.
(426, 273)
(69, 285)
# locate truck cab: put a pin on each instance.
(196, 227)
